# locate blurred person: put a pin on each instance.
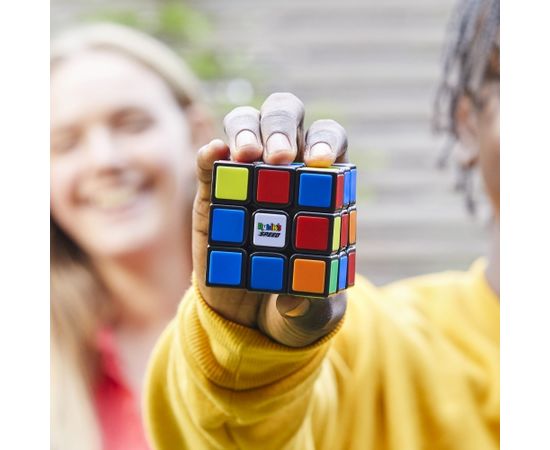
(412, 365)
(126, 116)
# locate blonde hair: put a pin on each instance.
(78, 305)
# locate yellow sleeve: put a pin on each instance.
(389, 378)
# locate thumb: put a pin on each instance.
(299, 321)
(201, 207)
(290, 307)
(206, 156)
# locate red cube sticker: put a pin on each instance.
(339, 191)
(312, 233)
(344, 230)
(273, 186)
(351, 269)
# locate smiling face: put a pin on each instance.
(121, 170)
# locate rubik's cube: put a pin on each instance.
(282, 228)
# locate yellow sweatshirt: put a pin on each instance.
(413, 365)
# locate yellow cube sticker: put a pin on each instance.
(336, 234)
(231, 183)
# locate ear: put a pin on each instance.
(201, 123)
(467, 131)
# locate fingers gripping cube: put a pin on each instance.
(283, 229)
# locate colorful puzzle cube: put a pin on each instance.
(284, 229)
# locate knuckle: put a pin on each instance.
(278, 118)
(327, 130)
(329, 125)
(240, 113)
(283, 97)
(284, 101)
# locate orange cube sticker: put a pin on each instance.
(309, 276)
(352, 226)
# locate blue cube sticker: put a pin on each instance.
(227, 225)
(347, 187)
(342, 277)
(315, 190)
(225, 268)
(353, 186)
(267, 273)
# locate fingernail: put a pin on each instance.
(292, 306)
(216, 143)
(278, 142)
(320, 150)
(300, 309)
(246, 138)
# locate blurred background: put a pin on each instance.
(372, 65)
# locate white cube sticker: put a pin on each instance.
(270, 230)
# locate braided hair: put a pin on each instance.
(471, 57)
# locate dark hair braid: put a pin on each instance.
(468, 61)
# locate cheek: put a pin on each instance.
(493, 133)
(490, 159)
(492, 144)
(166, 153)
(64, 175)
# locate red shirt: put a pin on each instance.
(118, 408)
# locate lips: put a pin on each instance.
(116, 197)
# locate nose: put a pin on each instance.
(102, 151)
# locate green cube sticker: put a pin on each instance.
(336, 234)
(231, 183)
(333, 276)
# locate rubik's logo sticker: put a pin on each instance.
(269, 230)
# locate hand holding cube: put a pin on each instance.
(254, 136)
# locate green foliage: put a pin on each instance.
(183, 28)
(206, 63)
(129, 18)
(177, 20)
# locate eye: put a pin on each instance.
(132, 121)
(63, 141)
